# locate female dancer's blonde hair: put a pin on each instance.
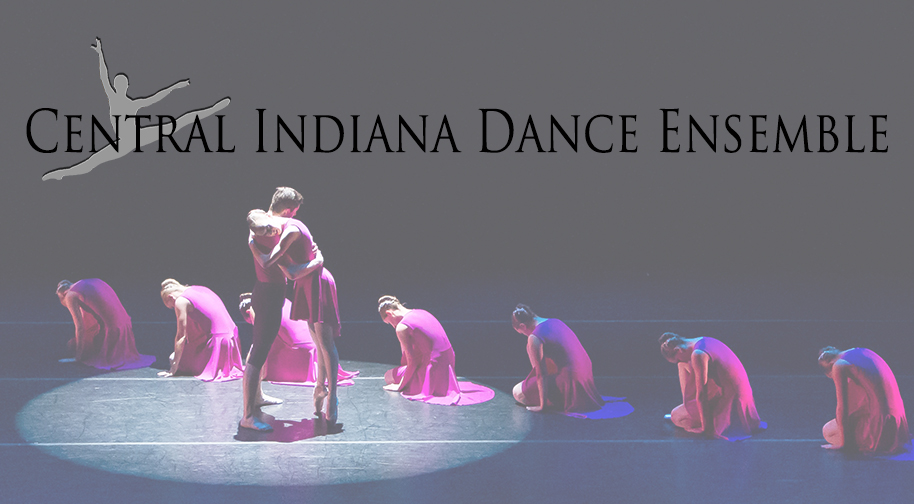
(387, 303)
(169, 286)
(259, 222)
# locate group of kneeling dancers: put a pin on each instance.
(294, 342)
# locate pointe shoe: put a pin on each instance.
(320, 392)
(333, 411)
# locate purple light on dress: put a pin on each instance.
(728, 392)
(569, 371)
(875, 410)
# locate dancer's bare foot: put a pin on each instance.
(320, 392)
(256, 424)
(265, 400)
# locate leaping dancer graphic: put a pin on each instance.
(119, 104)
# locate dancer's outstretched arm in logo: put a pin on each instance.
(119, 104)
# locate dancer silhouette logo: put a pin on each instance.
(129, 134)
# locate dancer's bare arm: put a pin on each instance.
(72, 304)
(297, 271)
(149, 100)
(182, 306)
(288, 237)
(840, 376)
(538, 361)
(103, 68)
(700, 361)
(406, 348)
(259, 256)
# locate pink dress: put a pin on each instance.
(211, 350)
(875, 410)
(569, 372)
(292, 358)
(108, 341)
(314, 296)
(431, 376)
(729, 393)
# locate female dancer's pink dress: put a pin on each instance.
(107, 338)
(569, 372)
(430, 377)
(729, 393)
(875, 411)
(211, 351)
(314, 297)
(292, 358)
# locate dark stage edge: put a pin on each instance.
(74, 435)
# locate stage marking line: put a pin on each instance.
(191, 378)
(507, 322)
(419, 442)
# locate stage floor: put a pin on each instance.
(71, 434)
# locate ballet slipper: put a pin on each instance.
(255, 424)
(265, 400)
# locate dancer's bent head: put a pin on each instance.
(171, 291)
(827, 358)
(671, 346)
(522, 319)
(62, 288)
(245, 306)
(390, 308)
(261, 224)
(121, 83)
(285, 202)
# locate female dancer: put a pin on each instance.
(104, 334)
(293, 358)
(314, 298)
(716, 396)
(562, 374)
(426, 371)
(870, 414)
(206, 342)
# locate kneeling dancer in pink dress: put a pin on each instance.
(870, 414)
(293, 358)
(562, 374)
(716, 396)
(206, 342)
(426, 371)
(104, 334)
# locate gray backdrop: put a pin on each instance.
(470, 234)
